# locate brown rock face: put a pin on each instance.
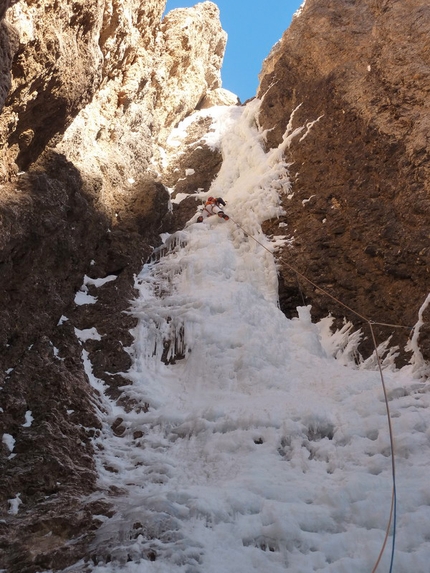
(155, 77)
(8, 47)
(191, 37)
(52, 235)
(361, 177)
(54, 72)
(191, 168)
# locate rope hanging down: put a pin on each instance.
(393, 510)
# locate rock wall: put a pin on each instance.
(160, 80)
(361, 177)
(89, 90)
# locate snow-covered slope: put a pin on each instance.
(249, 447)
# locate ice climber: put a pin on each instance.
(213, 206)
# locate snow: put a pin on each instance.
(300, 10)
(99, 282)
(180, 197)
(95, 382)
(222, 119)
(82, 297)
(57, 353)
(255, 443)
(87, 334)
(9, 441)
(28, 419)
(14, 504)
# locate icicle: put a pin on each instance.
(387, 355)
(173, 243)
(419, 366)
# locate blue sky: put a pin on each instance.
(253, 27)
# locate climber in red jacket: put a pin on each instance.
(213, 206)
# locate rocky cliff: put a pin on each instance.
(360, 203)
(89, 94)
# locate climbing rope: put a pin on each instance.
(370, 323)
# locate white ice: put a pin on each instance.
(254, 443)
